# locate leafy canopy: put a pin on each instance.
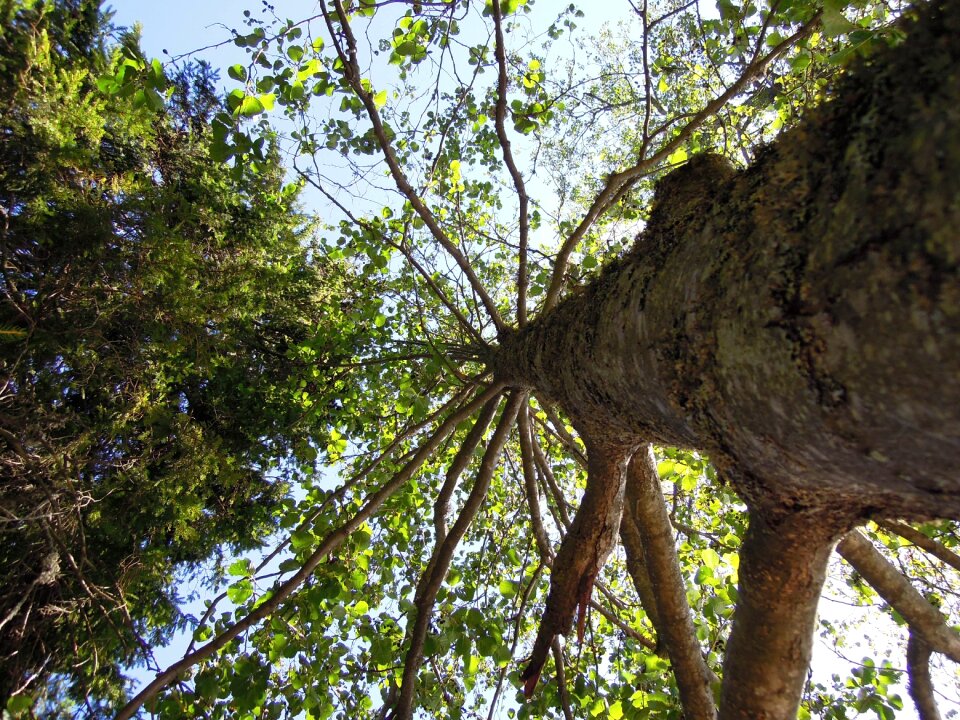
(477, 161)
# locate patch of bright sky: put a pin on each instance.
(175, 28)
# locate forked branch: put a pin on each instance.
(583, 552)
(351, 71)
(619, 182)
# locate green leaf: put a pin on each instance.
(302, 540)
(678, 156)
(250, 107)
(237, 72)
(240, 567)
(19, 704)
(240, 592)
(834, 21)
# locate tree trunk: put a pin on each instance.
(798, 320)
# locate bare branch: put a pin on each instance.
(459, 464)
(561, 679)
(675, 630)
(632, 543)
(560, 502)
(433, 577)
(938, 550)
(630, 632)
(557, 428)
(331, 542)
(921, 686)
(617, 182)
(401, 246)
(353, 75)
(524, 598)
(500, 121)
(924, 619)
(530, 487)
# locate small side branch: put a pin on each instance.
(924, 619)
(938, 550)
(557, 649)
(500, 116)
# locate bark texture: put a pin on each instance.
(799, 320)
(783, 565)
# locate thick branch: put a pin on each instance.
(583, 552)
(783, 565)
(675, 629)
(924, 619)
(636, 565)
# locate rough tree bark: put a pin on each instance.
(800, 321)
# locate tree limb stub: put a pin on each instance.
(799, 320)
(583, 552)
